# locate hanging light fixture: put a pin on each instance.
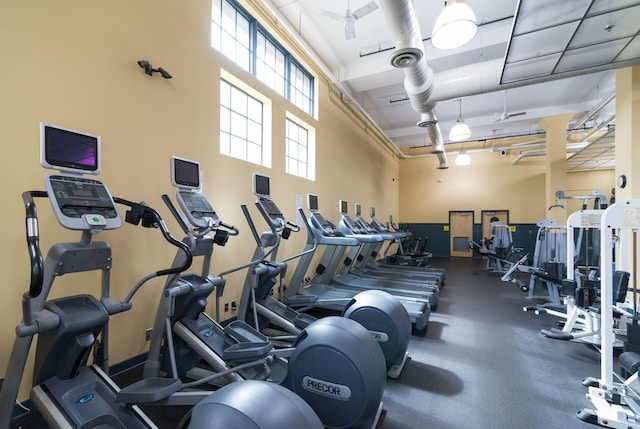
(455, 26)
(460, 130)
(463, 157)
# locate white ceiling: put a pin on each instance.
(547, 57)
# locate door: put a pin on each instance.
(460, 231)
(487, 215)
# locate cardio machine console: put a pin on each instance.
(197, 209)
(82, 204)
(327, 228)
(354, 226)
(272, 212)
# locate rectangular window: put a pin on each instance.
(238, 36)
(300, 148)
(230, 33)
(270, 65)
(242, 125)
(301, 89)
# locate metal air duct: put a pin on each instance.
(409, 56)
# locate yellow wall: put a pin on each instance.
(491, 182)
(73, 64)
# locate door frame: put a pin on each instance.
(469, 252)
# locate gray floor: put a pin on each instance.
(484, 364)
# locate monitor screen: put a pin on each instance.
(312, 201)
(69, 150)
(261, 185)
(344, 206)
(185, 174)
(357, 209)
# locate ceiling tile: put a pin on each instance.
(534, 67)
(590, 56)
(600, 6)
(539, 43)
(594, 29)
(534, 15)
(631, 51)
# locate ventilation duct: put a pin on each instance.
(409, 56)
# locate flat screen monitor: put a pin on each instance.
(344, 206)
(312, 202)
(357, 209)
(261, 185)
(69, 150)
(185, 174)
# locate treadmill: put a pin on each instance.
(334, 296)
(333, 274)
(364, 262)
(369, 264)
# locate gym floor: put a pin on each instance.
(481, 364)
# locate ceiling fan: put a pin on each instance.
(349, 18)
(504, 115)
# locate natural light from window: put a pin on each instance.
(300, 148)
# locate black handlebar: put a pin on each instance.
(175, 213)
(33, 242)
(232, 229)
(152, 219)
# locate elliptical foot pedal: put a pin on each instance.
(587, 415)
(300, 300)
(244, 333)
(303, 320)
(148, 390)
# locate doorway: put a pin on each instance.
(460, 231)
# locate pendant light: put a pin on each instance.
(463, 157)
(455, 26)
(460, 130)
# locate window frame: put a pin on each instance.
(254, 28)
(310, 146)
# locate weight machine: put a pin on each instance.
(616, 403)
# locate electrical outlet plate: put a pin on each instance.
(147, 334)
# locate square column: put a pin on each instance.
(555, 163)
(627, 132)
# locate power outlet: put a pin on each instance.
(147, 334)
(226, 307)
(234, 306)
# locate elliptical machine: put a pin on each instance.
(382, 314)
(333, 364)
(66, 391)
